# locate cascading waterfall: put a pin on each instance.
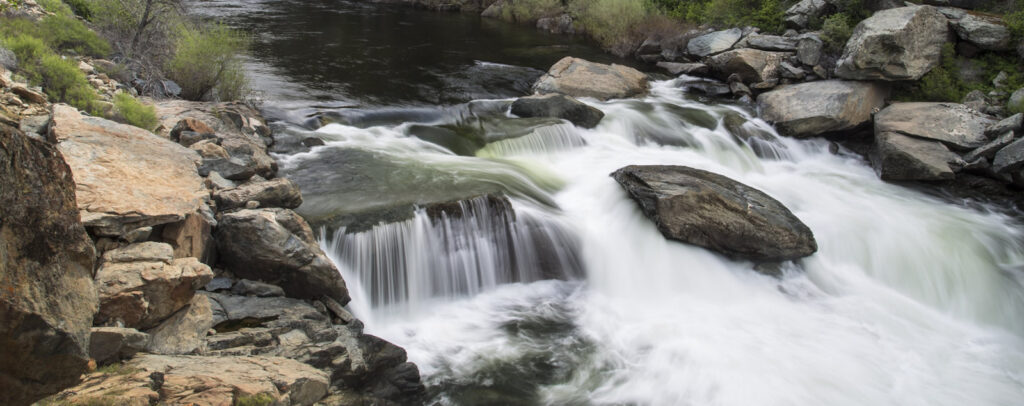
(910, 300)
(457, 250)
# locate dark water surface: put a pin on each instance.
(346, 54)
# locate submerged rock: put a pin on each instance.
(712, 211)
(580, 78)
(815, 108)
(895, 44)
(558, 106)
(952, 124)
(277, 246)
(47, 298)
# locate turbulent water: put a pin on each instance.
(543, 283)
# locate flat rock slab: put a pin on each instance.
(581, 78)
(713, 43)
(895, 44)
(712, 211)
(952, 124)
(814, 108)
(126, 177)
(190, 380)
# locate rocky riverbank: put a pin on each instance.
(168, 267)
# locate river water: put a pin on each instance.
(545, 284)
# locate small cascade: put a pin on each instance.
(547, 139)
(456, 249)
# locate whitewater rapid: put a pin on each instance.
(910, 300)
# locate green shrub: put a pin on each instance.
(1015, 21)
(134, 112)
(610, 21)
(28, 49)
(62, 32)
(206, 63)
(65, 32)
(764, 14)
(836, 31)
(81, 8)
(262, 399)
(62, 81)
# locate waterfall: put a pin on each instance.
(455, 250)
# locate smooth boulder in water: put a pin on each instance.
(712, 211)
(558, 106)
(581, 78)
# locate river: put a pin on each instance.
(547, 285)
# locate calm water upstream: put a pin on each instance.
(546, 285)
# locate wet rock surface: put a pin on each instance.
(712, 211)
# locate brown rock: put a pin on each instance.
(28, 95)
(189, 124)
(47, 298)
(142, 294)
(580, 78)
(191, 380)
(126, 177)
(752, 65)
(280, 192)
(184, 332)
(192, 237)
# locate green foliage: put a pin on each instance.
(764, 14)
(1015, 21)
(836, 31)
(28, 49)
(610, 21)
(206, 63)
(134, 112)
(81, 8)
(55, 6)
(62, 81)
(261, 399)
(60, 31)
(944, 83)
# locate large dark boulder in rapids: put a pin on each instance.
(277, 246)
(558, 106)
(712, 211)
(47, 298)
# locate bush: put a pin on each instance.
(134, 112)
(836, 31)
(610, 22)
(1015, 21)
(29, 50)
(63, 32)
(81, 8)
(206, 63)
(764, 14)
(62, 81)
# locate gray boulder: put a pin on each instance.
(277, 246)
(1012, 123)
(814, 108)
(895, 44)
(47, 297)
(557, 25)
(185, 331)
(1010, 158)
(809, 49)
(247, 287)
(713, 43)
(279, 192)
(985, 32)
(772, 43)
(580, 78)
(112, 344)
(800, 14)
(752, 65)
(899, 157)
(558, 106)
(712, 211)
(952, 124)
(1016, 102)
(988, 151)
